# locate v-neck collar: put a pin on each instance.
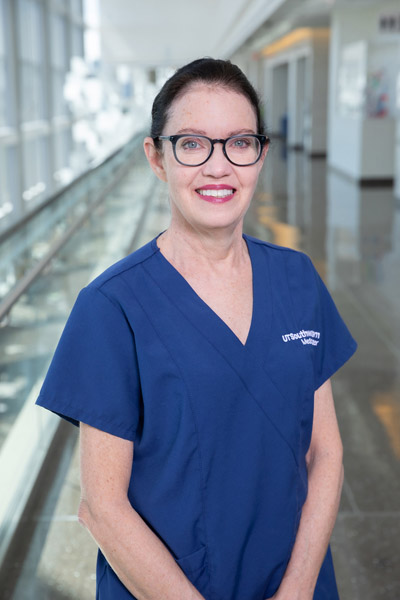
(198, 310)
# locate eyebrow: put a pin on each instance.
(201, 132)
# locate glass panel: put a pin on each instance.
(77, 41)
(31, 52)
(59, 104)
(61, 4)
(13, 170)
(76, 8)
(36, 159)
(2, 29)
(6, 101)
(59, 57)
(32, 92)
(3, 88)
(62, 146)
(31, 31)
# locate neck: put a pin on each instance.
(189, 247)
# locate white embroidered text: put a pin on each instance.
(306, 337)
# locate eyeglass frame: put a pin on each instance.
(263, 139)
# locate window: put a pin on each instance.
(36, 168)
(31, 54)
(77, 9)
(62, 149)
(77, 41)
(3, 86)
(59, 62)
(6, 96)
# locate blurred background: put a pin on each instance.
(77, 79)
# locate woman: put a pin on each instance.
(198, 368)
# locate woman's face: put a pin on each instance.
(216, 113)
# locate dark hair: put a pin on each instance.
(203, 70)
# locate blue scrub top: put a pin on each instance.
(220, 429)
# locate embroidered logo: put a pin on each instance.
(306, 337)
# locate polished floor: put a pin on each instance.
(353, 237)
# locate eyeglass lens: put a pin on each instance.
(193, 150)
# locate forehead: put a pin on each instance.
(205, 107)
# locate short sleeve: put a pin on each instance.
(320, 326)
(93, 377)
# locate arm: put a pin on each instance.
(325, 479)
(138, 557)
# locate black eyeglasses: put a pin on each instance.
(192, 150)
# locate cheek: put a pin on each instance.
(249, 180)
(180, 180)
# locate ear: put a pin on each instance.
(155, 158)
(265, 150)
(263, 154)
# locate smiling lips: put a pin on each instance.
(216, 193)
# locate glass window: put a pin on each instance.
(2, 29)
(32, 58)
(30, 17)
(59, 103)
(4, 88)
(77, 41)
(36, 168)
(59, 61)
(62, 149)
(12, 168)
(61, 4)
(59, 58)
(32, 92)
(77, 8)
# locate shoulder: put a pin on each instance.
(116, 287)
(126, 268)
(281, 254)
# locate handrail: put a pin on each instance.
(38, 209)
(26, 281)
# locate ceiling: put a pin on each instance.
(171, 32)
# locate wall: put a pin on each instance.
(295, 71)
(359, 145)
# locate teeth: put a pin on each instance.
(216, 193)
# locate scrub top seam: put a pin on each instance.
(200, 466)
(111, 300)
(100, 421)
(98, 285)
(245, 349)
(275, 246)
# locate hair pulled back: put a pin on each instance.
(203, 70)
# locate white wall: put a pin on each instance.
(360, 146)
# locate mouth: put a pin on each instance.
(216, 194)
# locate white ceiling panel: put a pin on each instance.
(171, 32)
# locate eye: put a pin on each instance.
(241, 143)
(192, 143)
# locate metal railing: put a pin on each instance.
(81, 197)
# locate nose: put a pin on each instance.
(217, 165)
